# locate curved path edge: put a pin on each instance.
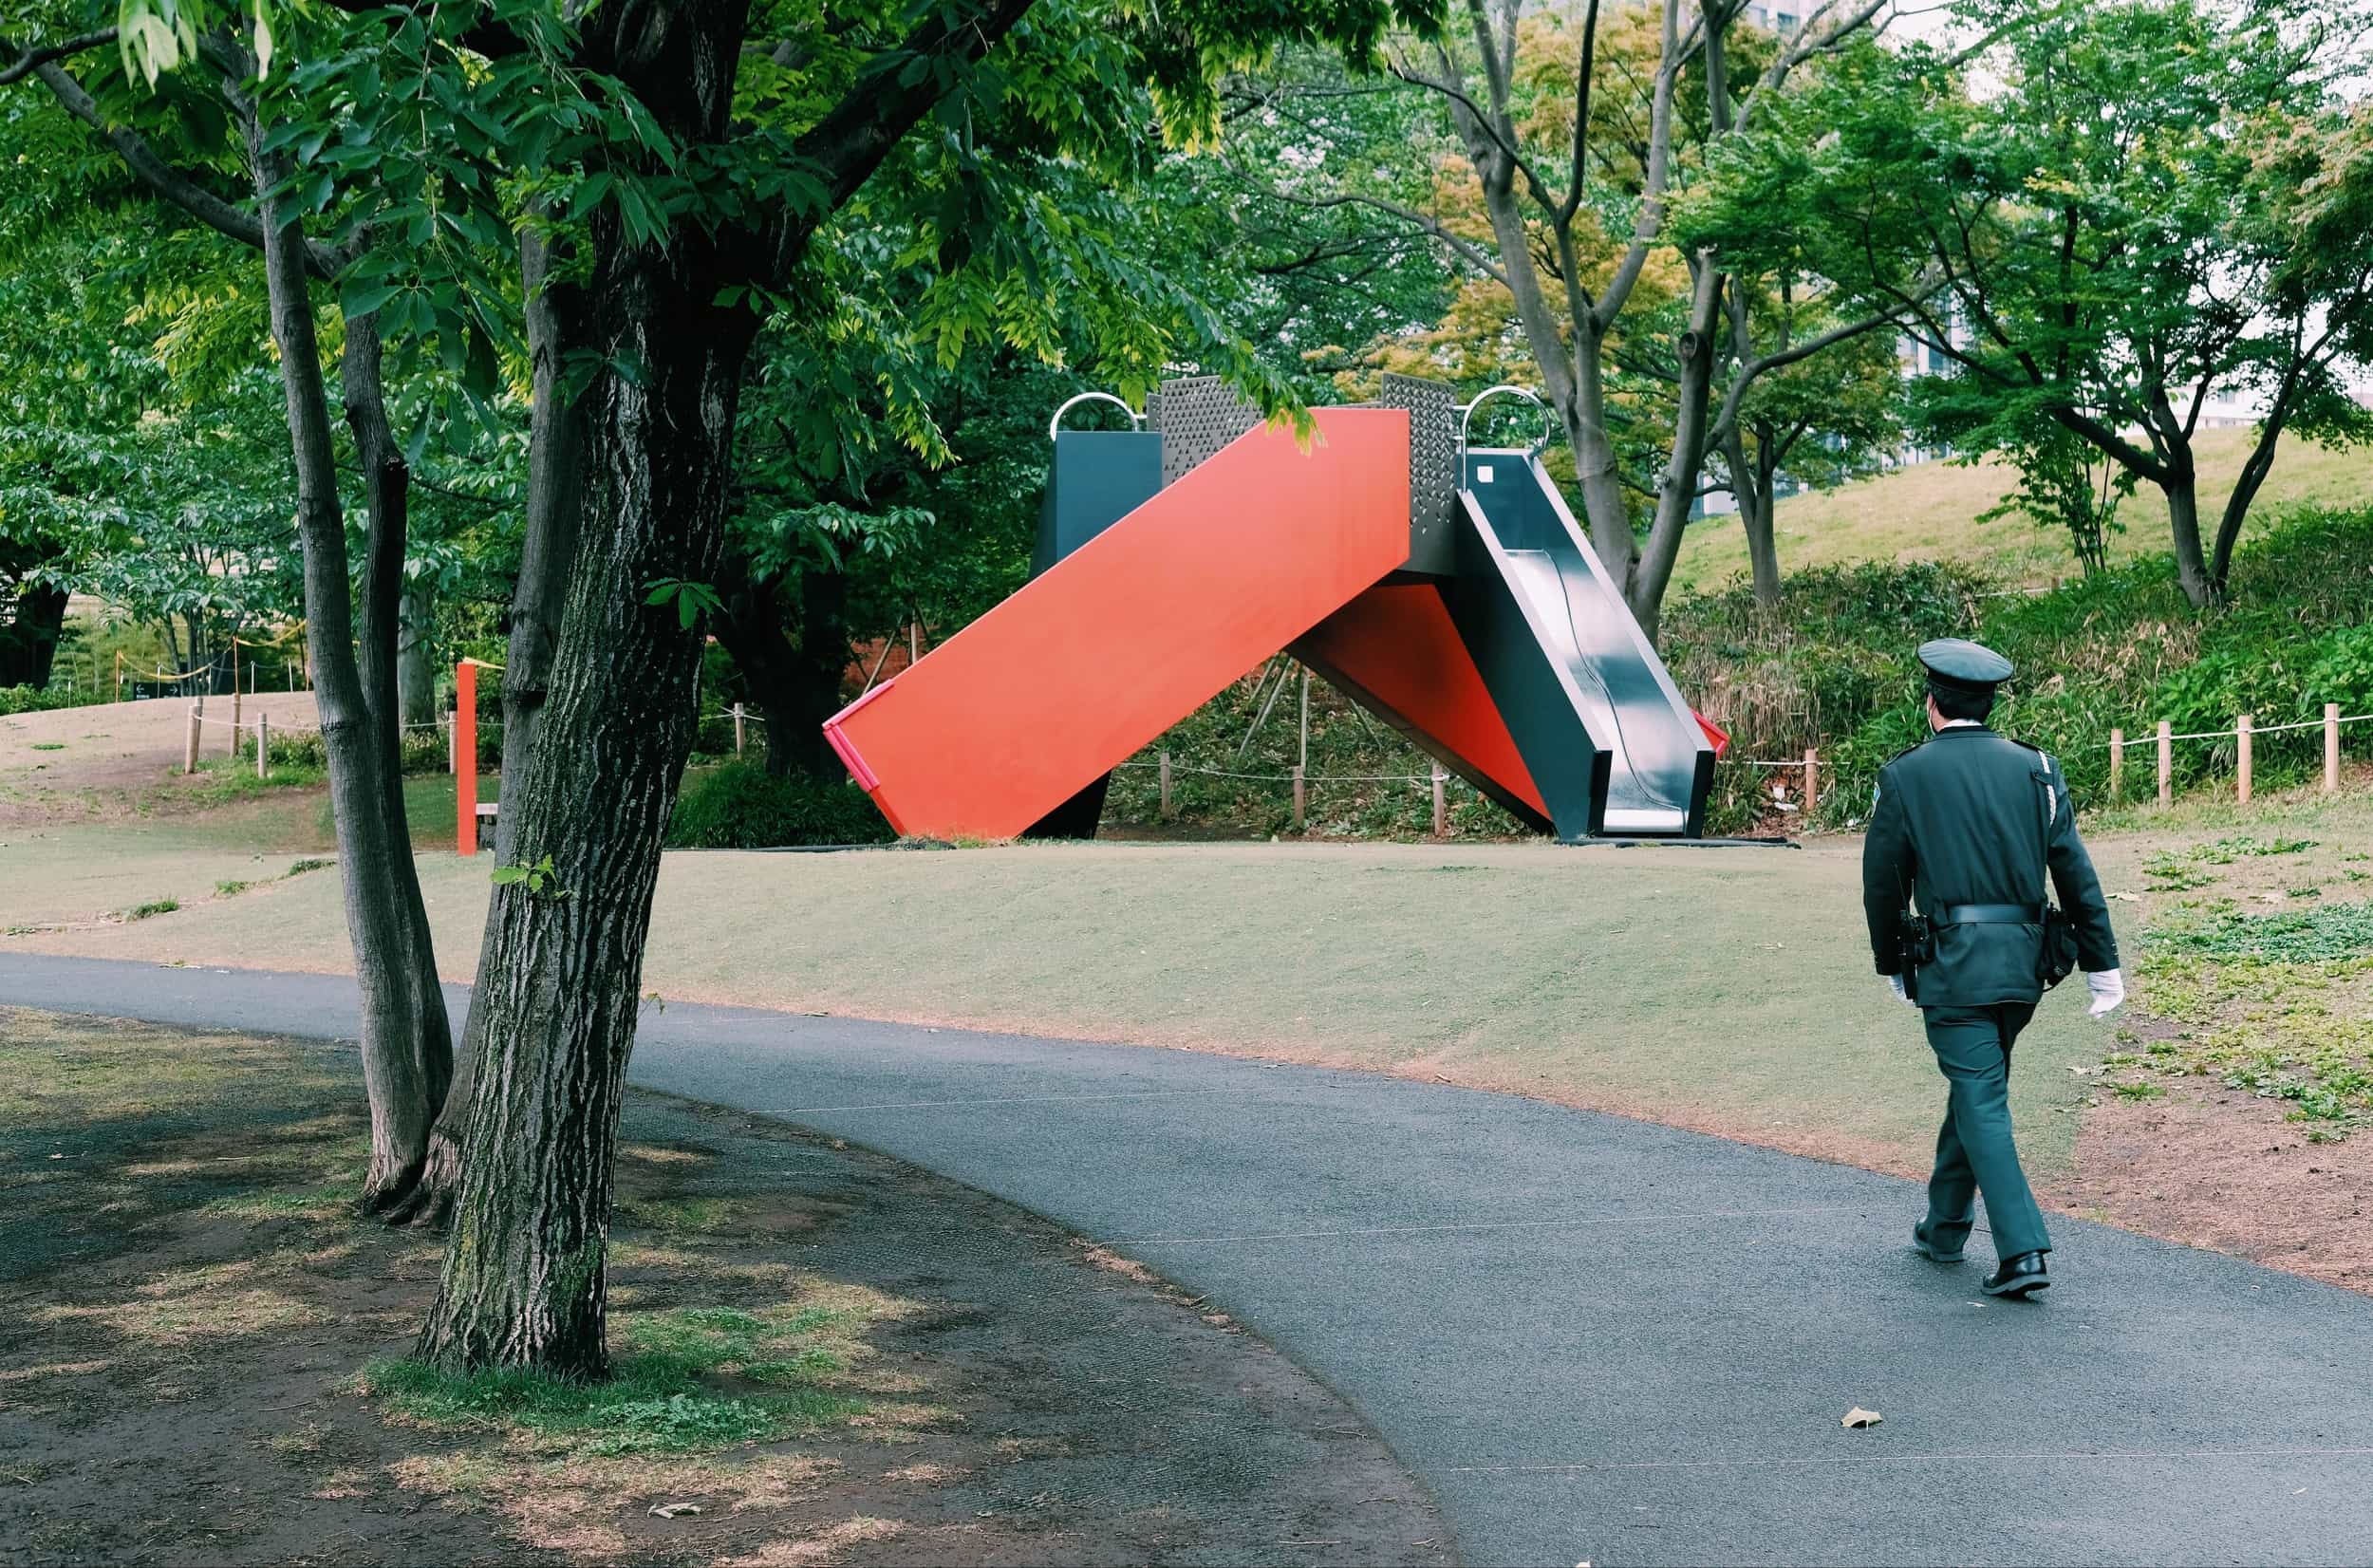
(1595, 1339)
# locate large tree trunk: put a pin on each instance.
(2184, 517)
(416, 676)
(557, 985)
(406, 1045)
(1605, 510)
(797, 684)
(547, 556)
(29, 648)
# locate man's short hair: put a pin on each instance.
(1962, 703)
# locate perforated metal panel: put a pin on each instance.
(1197, 417)
(1432, 468)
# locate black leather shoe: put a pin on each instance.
(2020, 1275)
(1929, 1249)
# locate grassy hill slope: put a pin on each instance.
(1926, 513)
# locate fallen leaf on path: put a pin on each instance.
(670, 1510)
(1860, 1417)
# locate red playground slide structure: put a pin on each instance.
(1175, 559)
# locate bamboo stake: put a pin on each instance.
(2166, 763)
(2241, 734)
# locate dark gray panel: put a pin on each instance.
(1196, 417)
(1432, 469)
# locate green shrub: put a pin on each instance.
(738, 806)
(16, 699)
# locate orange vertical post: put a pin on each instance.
(466, 757)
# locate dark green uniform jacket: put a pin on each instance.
(1968, 817)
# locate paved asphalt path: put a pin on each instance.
(1597, 1339)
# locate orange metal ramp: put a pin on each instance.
(1396, 651)
(1137, 628)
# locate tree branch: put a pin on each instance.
(50, 54)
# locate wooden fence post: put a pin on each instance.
(2332, 747)
(1297, 797)
(1812, 783)
(2117, 766)
(189, 746)
(1166, 785)
(453, 735)
(1440, 806)
(739, 727)
(234, 721)
(2241, 734)
(2166, 763)
(263, 745)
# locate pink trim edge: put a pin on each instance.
(846, 749)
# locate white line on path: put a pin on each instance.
(2047, 1456)
(1565, 1223)
(1020, 1099)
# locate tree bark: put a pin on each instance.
(523, 1282)
(1676, 492)
(416, 676)
(2245, 488)
(795, 685)
(30, 646)
(2181, 486)
(1752, 484)
(406, 1044)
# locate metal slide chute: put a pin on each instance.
(1590, 705)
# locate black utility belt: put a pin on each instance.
(1989, 914)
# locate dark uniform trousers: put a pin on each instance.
(1972, 821)
(1974, 1151)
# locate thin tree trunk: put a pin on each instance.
(1753, 487)
(2245, 488)
(1676, 492)
(406, 1044)
(557, 986)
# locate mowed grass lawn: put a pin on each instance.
(1727, 989)
(1927, 513)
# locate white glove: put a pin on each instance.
(2109, 989)
(1895, 984)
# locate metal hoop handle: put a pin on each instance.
(1135, 418)
(1467, 411)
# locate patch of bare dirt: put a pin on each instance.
(111, 760)
(2220, 1168)
(189, 1304)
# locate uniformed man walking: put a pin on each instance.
(1969, 826)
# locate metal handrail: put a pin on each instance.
(1466, 411)
(1135, 418)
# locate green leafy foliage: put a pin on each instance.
(740, 806)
